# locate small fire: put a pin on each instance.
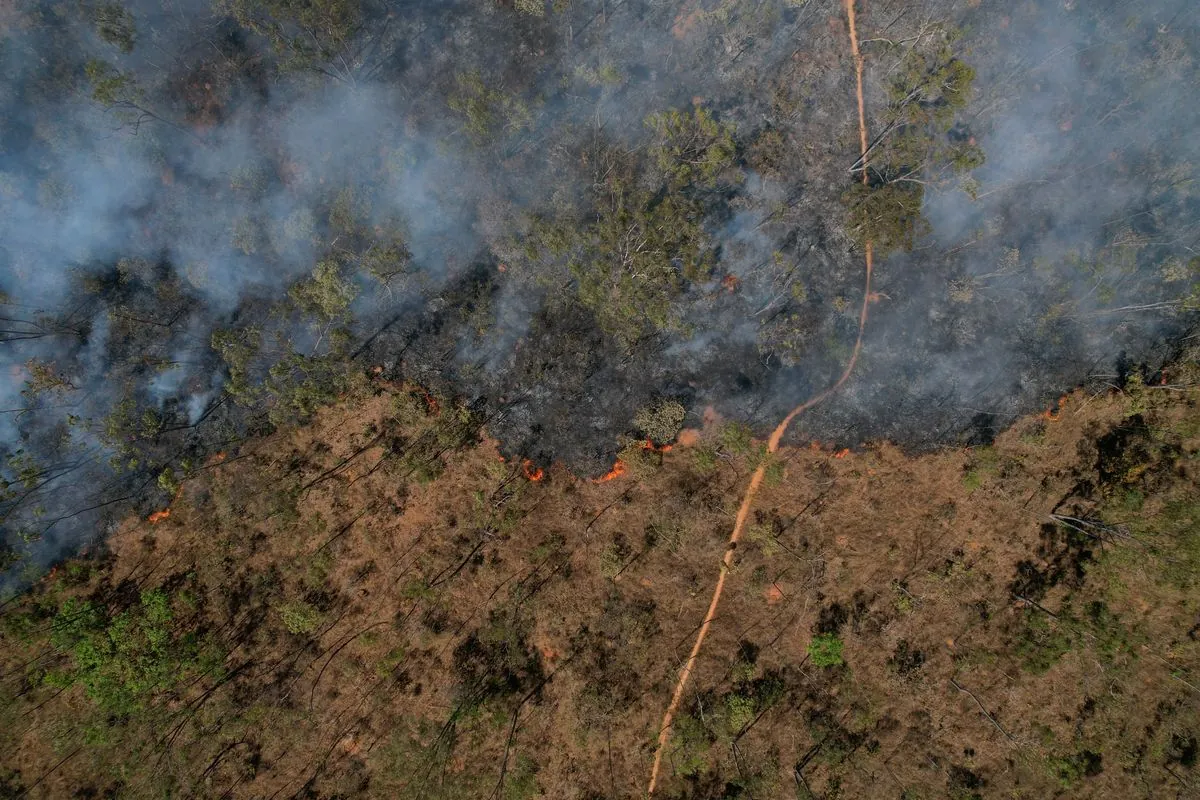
(533, 473)
(430, 401)
(158, 516)
(730, 283)
(649, 445)
(1052, 414)
(617, 471)
(842, 453)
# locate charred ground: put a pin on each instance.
(217, 219)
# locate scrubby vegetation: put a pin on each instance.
(382, 384)
(375, 604)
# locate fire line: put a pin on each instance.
(756, 479)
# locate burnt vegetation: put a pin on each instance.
(219, 220)
(381, 381)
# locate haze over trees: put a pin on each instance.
(277, 274)
(218, 219)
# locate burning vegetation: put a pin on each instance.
(1057, 563)
(585, 221)
(327, 261)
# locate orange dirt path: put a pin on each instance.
(756, 479)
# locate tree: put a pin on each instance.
(638, 257)
(317, 35)
(662, 421)
(919, 147)
(825, 650)
(691, 149)
(485, 107)
(120, 91)
(115, 25)
(326, 294)
(44, 376)
(124, 660)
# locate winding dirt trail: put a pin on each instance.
(756, 479)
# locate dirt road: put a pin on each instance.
(756, 479)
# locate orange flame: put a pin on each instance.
(158, 516)
(842, 453)
(533, 473)
(430, 401)
(1052, 414)
(649, 445)
(617, 471)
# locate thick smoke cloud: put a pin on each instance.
(216, 180)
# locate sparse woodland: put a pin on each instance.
(382, 381)
(376, 604)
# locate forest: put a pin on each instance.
(384, 381)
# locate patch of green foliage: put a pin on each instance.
(485, 108)
(637, 258)
(661, 422)
(691, 149)
(737, 438)
(125, 660)
(1069, 770)
(267, 369)
(326, 294)
(1041, 642)
(299, 617)
(690, 743)
(888, 216)
(520, 782)
(825, 650)
(115, 25)
(704, 459)
(926, 92)
(641, 247)
(110, 87)
(304, 34)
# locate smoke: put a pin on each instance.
(211, 180)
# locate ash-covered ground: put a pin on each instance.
(209, 211)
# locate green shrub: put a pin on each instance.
(299, 617)
(737, 438)
(1070, 770)
(1041, 644)
(123, 660)
(661, 422)
(825, 650)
